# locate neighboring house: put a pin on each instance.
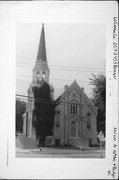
(75, 120)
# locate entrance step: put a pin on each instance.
(18, 143)
(27, 142)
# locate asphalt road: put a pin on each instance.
(59, 153)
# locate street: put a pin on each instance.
(60, 153)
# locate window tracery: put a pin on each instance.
(73, 108)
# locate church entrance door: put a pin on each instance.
(57, 142)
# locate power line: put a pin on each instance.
(75, 67)
(76, 70)
(22, 82)
(43, 100)
(56, 93)
(27, 84)
(71, 68)
(84, 121)
(19, 82)
(23, 85)
(55, 79)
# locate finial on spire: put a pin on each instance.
(42, 24)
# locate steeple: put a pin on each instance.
(41, 69)
(41, 55)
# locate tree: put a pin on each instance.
(99, 99)
(20, 110)
(43, 112)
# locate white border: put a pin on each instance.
(54, 12)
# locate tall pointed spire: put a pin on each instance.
(41, 69)
(41, 55)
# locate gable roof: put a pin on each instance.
(74, 84)
(88, 101)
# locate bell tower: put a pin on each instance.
(40, 74)
(41, 69)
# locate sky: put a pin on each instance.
(74, 51)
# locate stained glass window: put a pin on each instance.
(73, 108)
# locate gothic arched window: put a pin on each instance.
(43, 76)
(57, 119)
(73, 108)
(38, 76)
(73, 129)
(88, 121)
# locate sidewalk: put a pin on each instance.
(19, 150)
(58, 153)
(58, 150)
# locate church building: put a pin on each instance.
(75, 121)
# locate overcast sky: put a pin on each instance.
(74, 51)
